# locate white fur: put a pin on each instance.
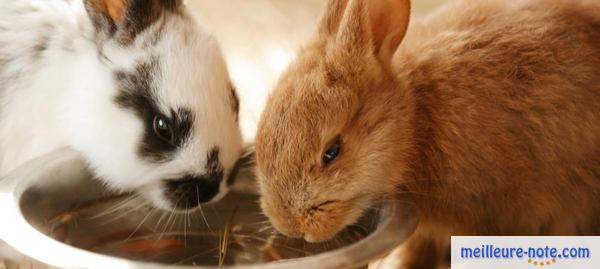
(66, 98)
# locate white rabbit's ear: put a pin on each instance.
(124, 19)
(375, 25)
(331, 17)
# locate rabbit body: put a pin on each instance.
(508, 120)
(488, 112)
(34, 74)
(138, 87)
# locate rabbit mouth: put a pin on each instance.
(341, 216)
(189, 192)
(186, 194)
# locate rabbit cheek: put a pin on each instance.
(281, 218)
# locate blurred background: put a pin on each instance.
(260, 37)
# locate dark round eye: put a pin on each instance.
(332, 151)
(162, 128)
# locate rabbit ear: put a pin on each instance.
(376, 25)
(124, 19)
(331, 17)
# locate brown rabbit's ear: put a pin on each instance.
(378, 25)
(331, 17)
(124, 19)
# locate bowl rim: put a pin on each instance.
(19, 234)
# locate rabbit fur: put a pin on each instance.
(487, 112)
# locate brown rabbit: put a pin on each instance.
(487, 111)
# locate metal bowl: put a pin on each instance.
(53, 211)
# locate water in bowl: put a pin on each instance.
(230, 232)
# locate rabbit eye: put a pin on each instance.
(162, 128)
(332, 151)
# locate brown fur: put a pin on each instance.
(488, 111)
(113, 8)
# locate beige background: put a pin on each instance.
(260, 37)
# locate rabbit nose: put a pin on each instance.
(190, 191)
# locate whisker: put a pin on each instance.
(205, 221)
(284, 245)
(125, 213)
(176, 220)
(194, 218)
(114, 208)
(202, 211)
(171, 216)
(189, 218)
(185, 225)
(162, 216)
(259, 222)
(140, 225)
(266, 228)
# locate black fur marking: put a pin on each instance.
(243, 165)
(213, 165)
(140, 14)
(235, 101)
(189, 191)
(137, 17)
(137, 95)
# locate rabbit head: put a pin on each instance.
(337, 123)
(159, 115)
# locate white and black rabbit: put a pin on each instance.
(138, 87)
